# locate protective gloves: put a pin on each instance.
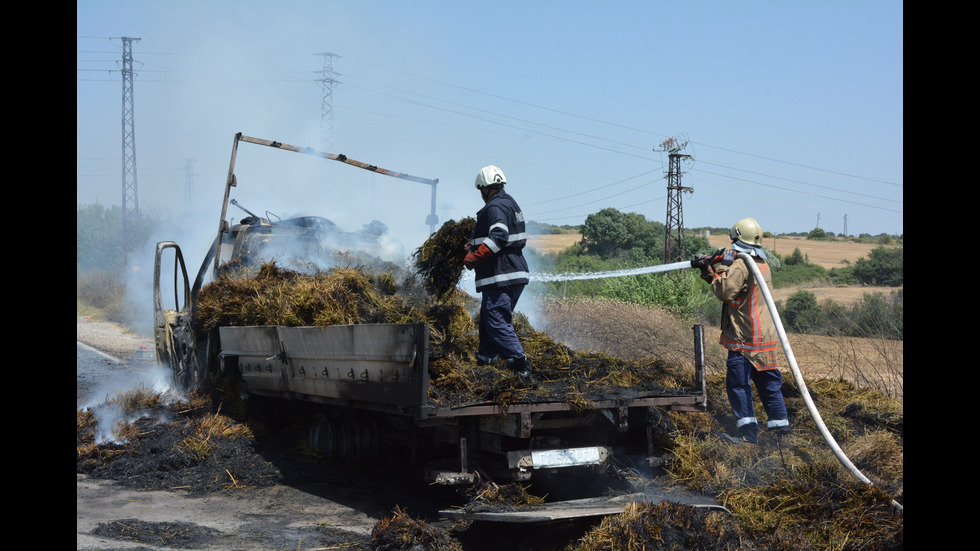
(728, 257)
(707, 272)
(479, 255)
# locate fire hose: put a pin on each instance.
(797, 375)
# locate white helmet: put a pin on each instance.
(490, 175)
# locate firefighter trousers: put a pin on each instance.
(768, 383)
(497, 336)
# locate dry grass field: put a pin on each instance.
(829, 254)
(553, 243)
(869, 363)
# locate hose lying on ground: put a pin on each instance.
(798, 376)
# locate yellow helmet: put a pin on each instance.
(748, 231)
(490, 175)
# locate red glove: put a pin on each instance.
(479, 255)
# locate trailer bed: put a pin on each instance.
(381, 367)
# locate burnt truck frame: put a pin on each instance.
(364, 387)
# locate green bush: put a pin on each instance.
(798, 274)
(796, 258)
(876, 316)
(802, 314)
(884, 266)
(842, 276)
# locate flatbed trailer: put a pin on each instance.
(367, 388)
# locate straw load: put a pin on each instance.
(358, 293)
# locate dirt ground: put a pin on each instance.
(160, 502)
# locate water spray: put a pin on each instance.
(612, 273)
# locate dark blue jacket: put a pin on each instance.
(500, 225)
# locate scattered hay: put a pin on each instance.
(663, 525)
(792, 493)
(178, 445)
(439, 261)
(879, 455)
(272, 295)
(212, 426)
(821, 506)
(171, 534)
(490, 496)
(401, 532)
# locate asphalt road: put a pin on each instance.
(278, 517)
(100, 375)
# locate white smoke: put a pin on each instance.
(107, 400)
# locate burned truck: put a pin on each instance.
(365, 387)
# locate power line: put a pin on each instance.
(614, 145)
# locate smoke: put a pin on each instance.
(110, 403)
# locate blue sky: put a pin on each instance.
(792, 111)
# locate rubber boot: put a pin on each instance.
(521, 366)
(750, 433)
(483, 360)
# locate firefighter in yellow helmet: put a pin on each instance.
(748, 333)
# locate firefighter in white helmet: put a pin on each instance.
(501, 272)
(748, 333)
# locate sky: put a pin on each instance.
(788, 112)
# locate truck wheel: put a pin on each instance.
(329, 436)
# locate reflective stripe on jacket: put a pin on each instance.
(746, 324)
(500, 225)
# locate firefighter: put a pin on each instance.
(748, 333)
(501, 272)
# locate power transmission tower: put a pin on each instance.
(845, 225)
(674, 227)
(130, 200)
(328, 79)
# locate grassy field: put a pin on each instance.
(828, 254)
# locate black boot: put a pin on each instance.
(521, 366)
(746, 434)
(750, 433)
(483, 360)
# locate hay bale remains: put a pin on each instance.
(271, 295)
(664, 525)
(439, 261)
(401, 532)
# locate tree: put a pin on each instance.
(610, 233)
(98, 238)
